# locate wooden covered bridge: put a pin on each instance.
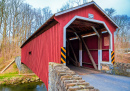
(86, 32)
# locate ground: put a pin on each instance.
(4, 63)
(102, 81)
(123, 58)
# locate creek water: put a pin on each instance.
(34, 86)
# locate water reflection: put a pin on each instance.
(25, 87)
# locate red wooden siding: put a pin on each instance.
(105, 53)
(45, 48)
(75, 45)
(65, 18)
(92, 43)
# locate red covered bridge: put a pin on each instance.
(87, 33)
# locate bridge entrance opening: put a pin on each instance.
(88, 43)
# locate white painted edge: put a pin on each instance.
(64, 32)
(104, 32)
(64, 63)
(74, 8)
(87, 4)
(89, 35)
(109, 55)
(105, 63)
(80, 52)
(99, 59)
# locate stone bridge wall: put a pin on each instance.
(22, 67)
(61, 78)
(117, 68)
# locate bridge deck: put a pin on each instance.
(83, 71)
(102, 81)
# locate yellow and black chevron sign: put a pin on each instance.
(112, 57)
(63, 55)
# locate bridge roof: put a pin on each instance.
(52, 21)
(48, 24)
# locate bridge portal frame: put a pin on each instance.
(99, 50)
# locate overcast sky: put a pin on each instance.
(121, 6)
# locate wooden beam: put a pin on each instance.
(88, 63)
(77, 31)
(95, 31)
(68, 30)
(8, 66)
(73, 29)
(100, 40)
(72, 60)
(87, 50)
(73, 52)
(109, 42)
(67, 48)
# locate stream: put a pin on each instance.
(34, 86)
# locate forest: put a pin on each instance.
(19, 20)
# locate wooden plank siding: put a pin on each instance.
(44, 49)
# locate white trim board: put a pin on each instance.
(105, 62)
(99, 59)
(80, 52)
(84, 5)
(87, 19)
(74, 8)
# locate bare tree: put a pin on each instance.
(72, 3)
(78, 2)
(110, 11)
(85, 1)
(65, 7)
(124, 23)
(18, 21)
(46, 13)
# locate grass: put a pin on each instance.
(12, 72)
(9, 76)
(1, 59)
(14, 78)
(14, 66)
(2, 63)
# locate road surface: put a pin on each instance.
(102, 81)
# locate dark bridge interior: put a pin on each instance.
(81, 34)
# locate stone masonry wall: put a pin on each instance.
(117, 68)
(22, 67)
(61, 78)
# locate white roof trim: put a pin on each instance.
(106, 14)
(87, 4)
(74, 8)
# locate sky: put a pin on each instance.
(121, 6)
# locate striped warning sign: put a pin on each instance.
(112, 57)
(63, 55)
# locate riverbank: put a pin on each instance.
(15, 79)
(33, 86)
